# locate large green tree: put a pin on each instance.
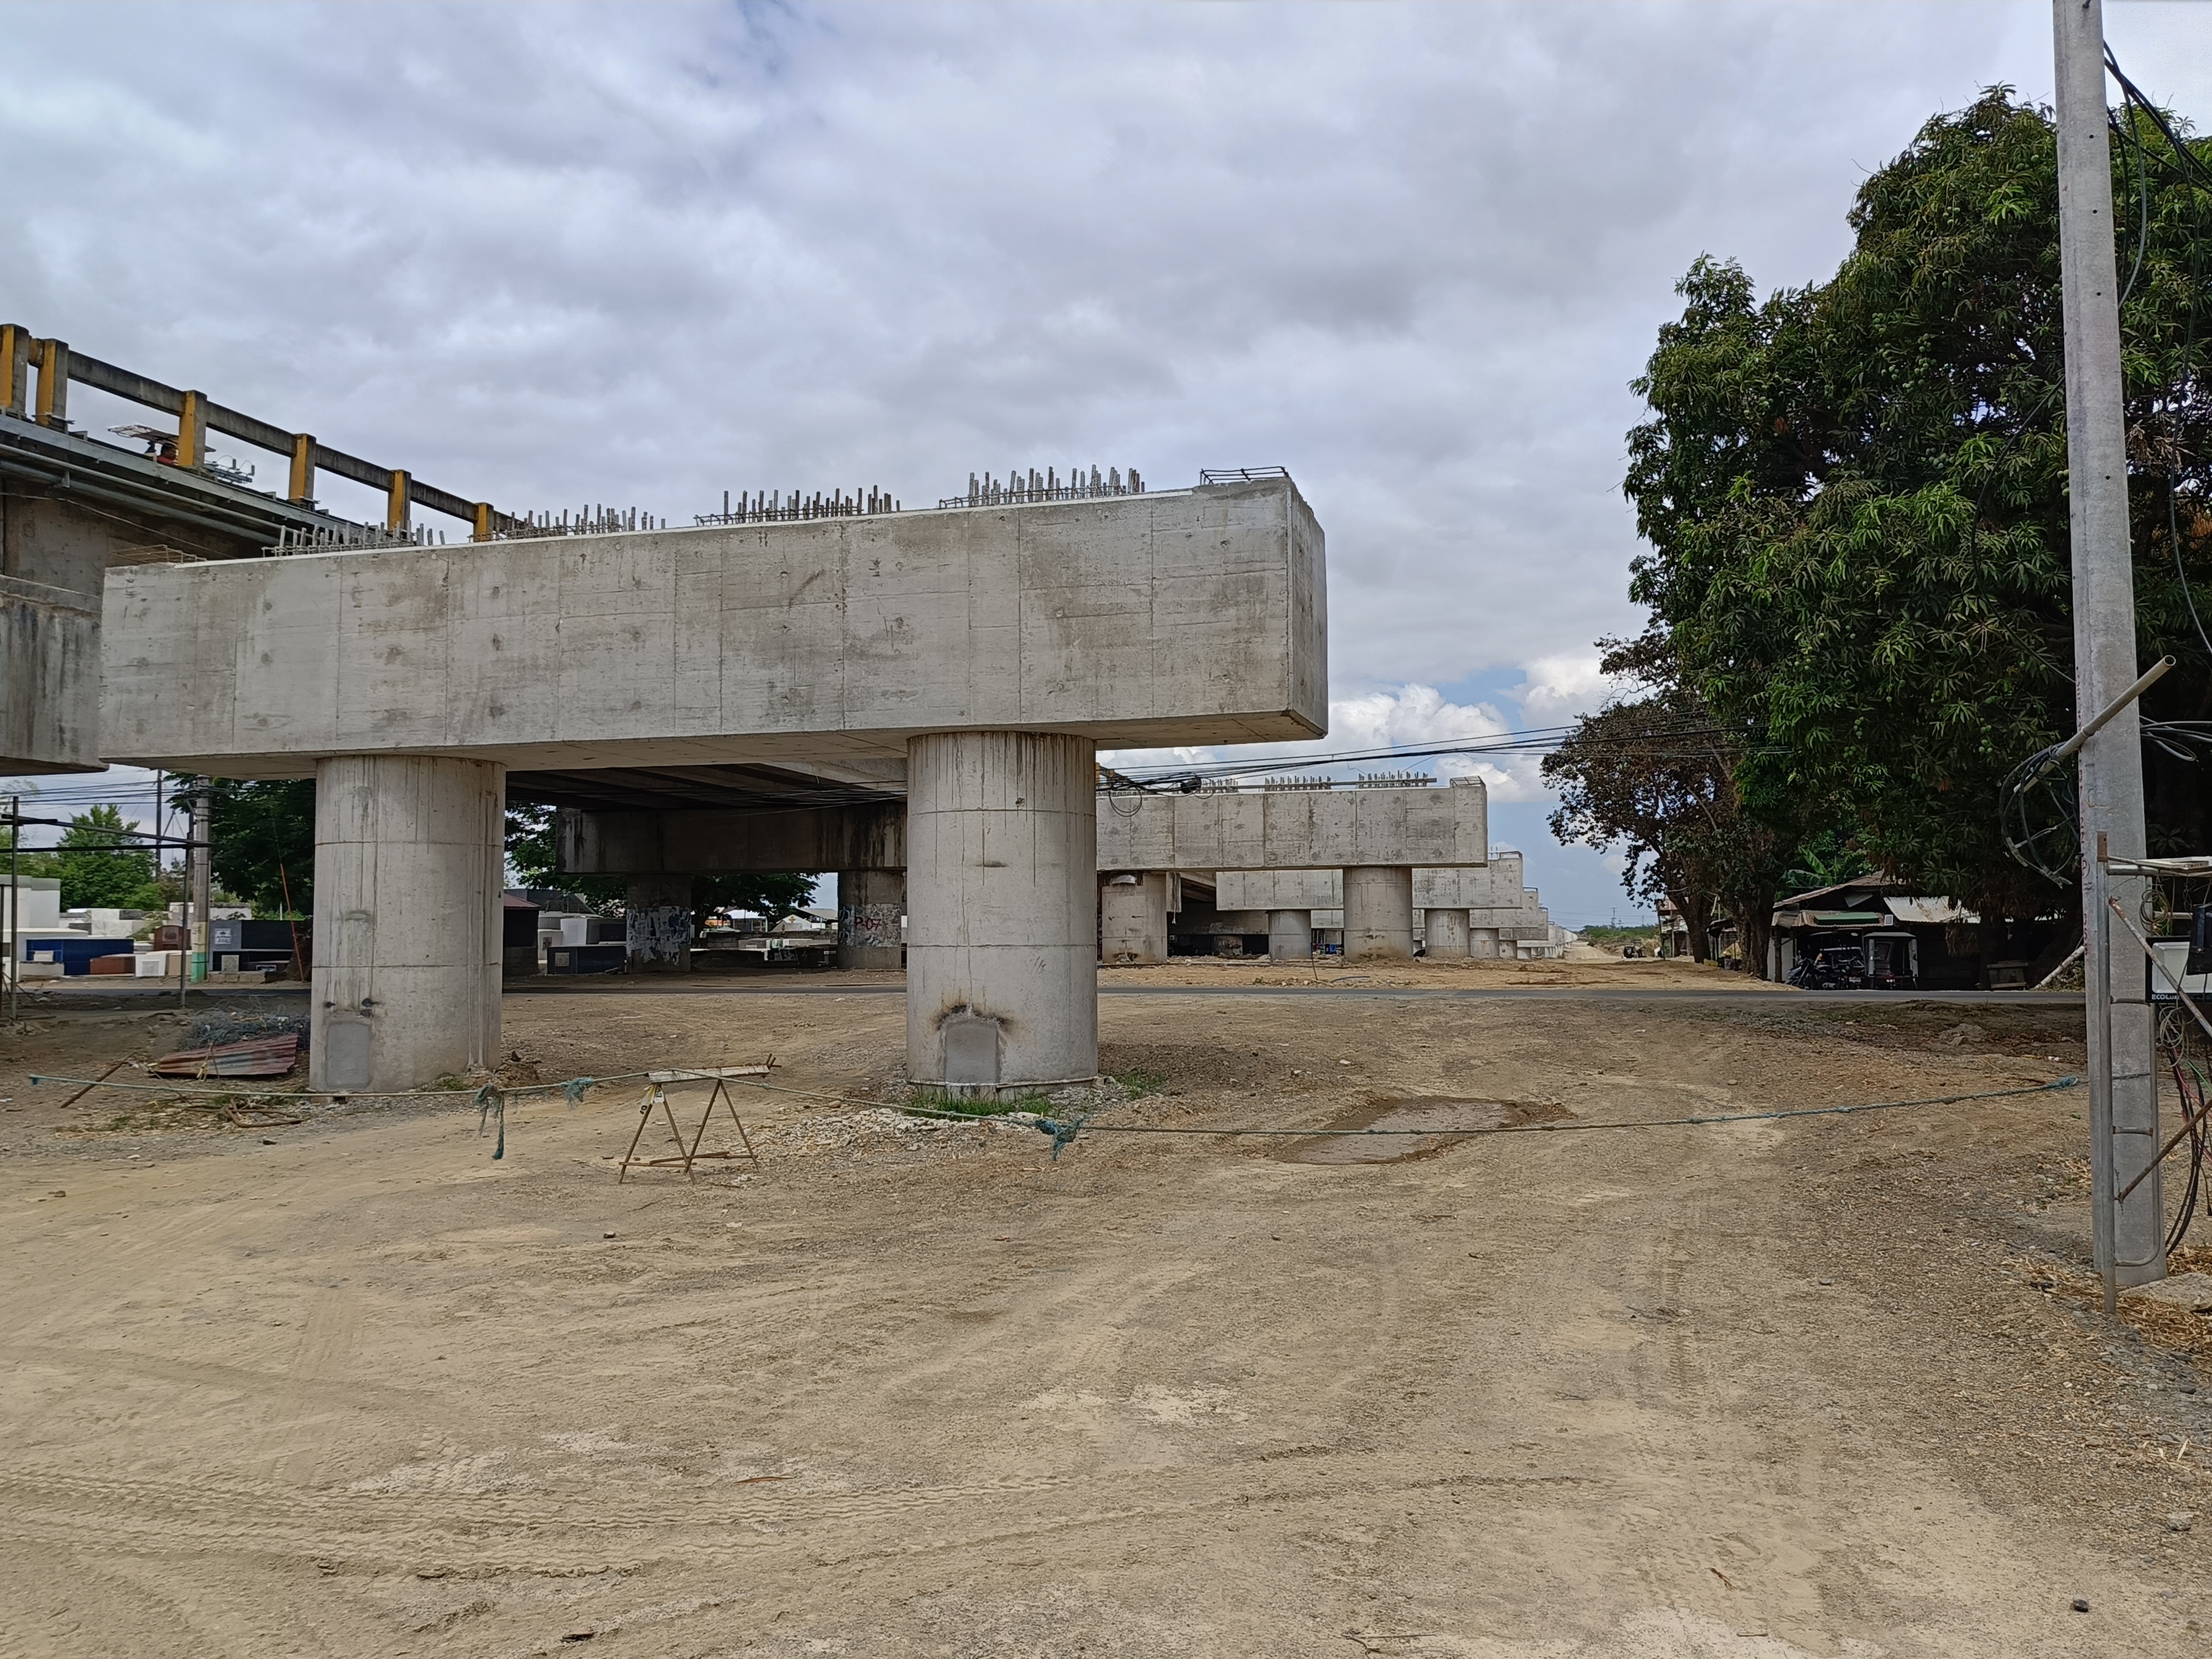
(101, 863)
(262, 832)
(1656, 775)
(1854, 498)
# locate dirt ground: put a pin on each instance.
(1827, 1385)
(1584, 968)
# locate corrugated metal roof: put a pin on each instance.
(1932, 911)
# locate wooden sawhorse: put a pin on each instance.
(657, 1095)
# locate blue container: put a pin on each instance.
(73, 951)
(586, 958)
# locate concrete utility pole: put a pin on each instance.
(2123, 1079)
(200, 937)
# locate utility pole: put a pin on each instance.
(2123, 1079)
(201, 937)
(15, 909)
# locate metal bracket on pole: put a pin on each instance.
(2104, 717)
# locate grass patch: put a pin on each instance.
(1138, 1084)
(938, 1103)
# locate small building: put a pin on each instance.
(1880, 935)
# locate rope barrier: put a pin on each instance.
(491, 1097)
(572, 1087)
(1056, 1129)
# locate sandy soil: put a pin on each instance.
(1824, 1386)
(1585, 967)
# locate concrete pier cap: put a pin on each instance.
(991, 649)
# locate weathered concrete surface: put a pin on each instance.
(1445, 934)
(1133, 918)
(1490, 901)
(1378, 913)
(1290, 935)
(751, 841)
(871, 909)
(49, 679)
(1002, 884)
(1494, 886)
(1295, 829)
(1182, 616)
(657, 924)
(71, 507)
(409, 855)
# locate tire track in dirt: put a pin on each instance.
(390, 1533)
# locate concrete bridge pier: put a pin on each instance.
(658, 930)
(870, 904)
(1378, 912)
(1290, 935)
(1446, 932)
(1002, 884)
(410, 856)
(1133, 918)
(1482, 942)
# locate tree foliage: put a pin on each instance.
(1854, 498)
(100, 863)
(263, 835)
(1655, 776)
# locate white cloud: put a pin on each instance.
(1556, 690)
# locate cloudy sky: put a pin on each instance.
(643, 254)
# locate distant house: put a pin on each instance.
(1904, 940)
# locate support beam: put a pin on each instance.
(1445, 934)
(659, 927)
(49, 679)
(398, 505)
(1378, 912)
(409, 851)
(1290, 935)
(301, 491)
(1139, 621)
(15, 344)
(732, 841)
(1287, 829)
(192, 430)
(1133, 918)
(1002, 969)
(52, 408)
(871, 909)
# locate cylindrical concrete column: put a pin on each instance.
(1133, 920)
(658, 929)
(409, 854)
(1378, 912)
(1482, 942)
(1002, 884)
(1290, 935)
(870, 908)
(1445, 935)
